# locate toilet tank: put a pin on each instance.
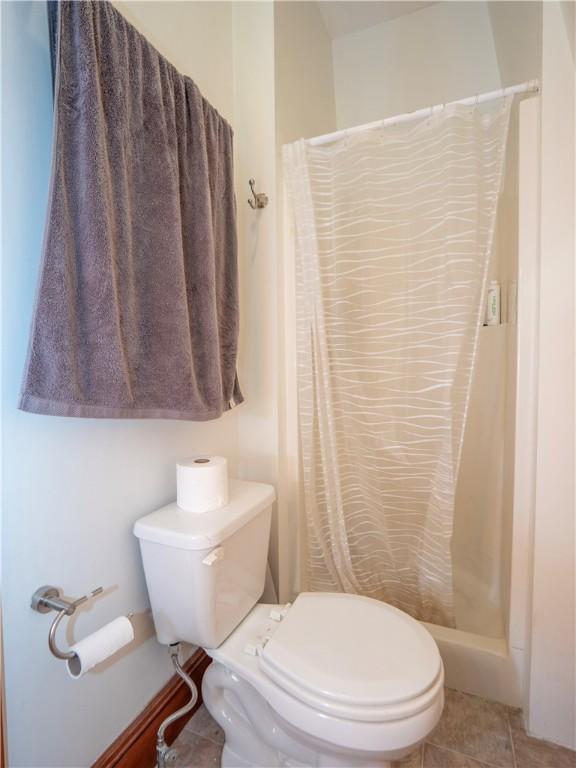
(205, 572)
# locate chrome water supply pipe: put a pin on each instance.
(165, 755)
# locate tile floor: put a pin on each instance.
(473, 733)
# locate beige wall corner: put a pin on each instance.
(551, 710)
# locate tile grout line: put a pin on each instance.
(512, 744)
(190, 728)
(472, 757)
(422, 751)
(204, 736)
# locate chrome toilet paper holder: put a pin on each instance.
(46, 599)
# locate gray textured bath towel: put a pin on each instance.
(137, 306)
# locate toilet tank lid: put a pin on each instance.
(174, 527)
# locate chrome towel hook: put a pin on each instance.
(260, 198)
(46, 599)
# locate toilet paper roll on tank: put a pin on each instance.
(202, 484)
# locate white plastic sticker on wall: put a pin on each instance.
(493, 304)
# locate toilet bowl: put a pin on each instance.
(333, 680)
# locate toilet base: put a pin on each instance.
(257, 737)
(231, 760)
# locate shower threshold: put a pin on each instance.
(482, 666)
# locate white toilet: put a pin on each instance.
(332, 680)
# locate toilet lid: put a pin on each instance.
(351, 651)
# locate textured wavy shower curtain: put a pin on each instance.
(393, 234)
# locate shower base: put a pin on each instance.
(482, 666)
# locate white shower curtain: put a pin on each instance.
(393, 231)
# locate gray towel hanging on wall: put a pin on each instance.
(137, 307)
(52, 10)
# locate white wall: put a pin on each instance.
(283, 89)
(253, 45)
(551, 710)
(517, 30)
(438, 54)
(525, 389)
(305, 96)
(305, 106)
(196, 37)
(73, 487)
(446, 51)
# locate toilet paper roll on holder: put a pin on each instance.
(46, 599)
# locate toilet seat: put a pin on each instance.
(351, 725)
(353, 657)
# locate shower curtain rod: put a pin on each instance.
(531, 86)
